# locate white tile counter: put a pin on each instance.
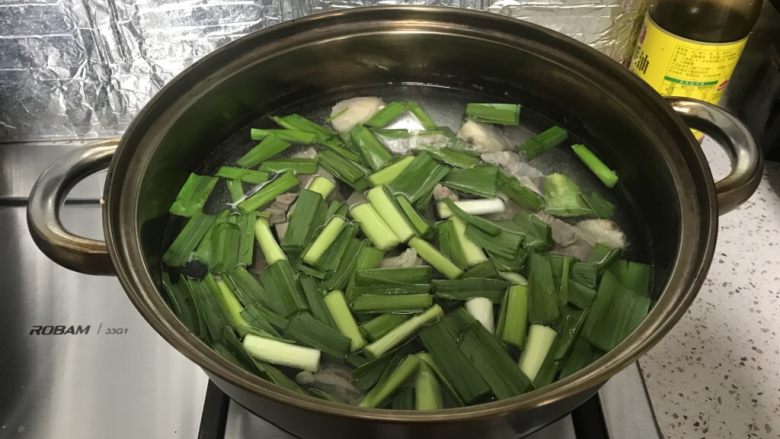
(717, 374)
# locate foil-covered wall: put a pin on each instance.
(83, 68)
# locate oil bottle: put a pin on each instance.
(690, 47)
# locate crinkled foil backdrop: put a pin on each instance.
(83, 69)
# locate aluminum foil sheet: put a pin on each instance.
(80, 69)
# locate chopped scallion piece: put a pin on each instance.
(247, 289)
(185, 242)
(459, 371)
(501, 114)
(582, 354)
(389, 384)
(543, 297)
(346, 267)
(225, 240)
(417, 221)
(180, 300)
(308, 215)
(417, 180)
(480, 180)
(563, 197)
(316, 300)
(393, 276)
(333, 256)
(387, 208)
(387, 115)
(294, 165)
(568, 331)
(374, 227)
(421, 115)
(483, 206)
(266, 194)
(268, 245)
(538, 234)
(482, 270)
(282, 354)
(249, 176)
(606, 175)
(377, 327)
(300, 123)
(369, 373)
(586, 273)
(482, 310)
(543, 142)
(283, 291)
(269, 147)
(633, 275)
(615, 313)
(603, 256)
(403, 332)
(344, 169)
(472, 253)
(427, 390)
(321, 185)
(519, 193)
(307, 330)
(323, 241)
(381, 303)
(465, 289)
(458, 158)
(599, 205)
(292, 136)
(236, 190)
(493, 362)
(449, 244)
(404, 399)
(506, 244)
(437, 260)
(540, 340)
(513, 278)
(580, 295)
(513, 316)
(450, 396)
(390, 172)
(374, 154)
(344, 319)
(480, 223)
(193, 195)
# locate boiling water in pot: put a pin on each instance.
(446, 107)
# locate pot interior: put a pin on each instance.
(442, 60)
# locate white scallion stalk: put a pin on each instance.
(472, 252)
(474, 207)
(345, 321)
(389, 173)
(321, 185)
(482, 310)
(540, 339)
(402, 332)
(434, 257)
(514, 278)
(268, 244)
(282, 354)
(387, 208)
(374, 227)
(324, 240)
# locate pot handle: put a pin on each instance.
(77, 253)
(733, 136)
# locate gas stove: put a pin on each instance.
(80, 362)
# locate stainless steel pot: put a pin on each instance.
(661, 166)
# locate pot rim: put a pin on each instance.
(698, 223)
